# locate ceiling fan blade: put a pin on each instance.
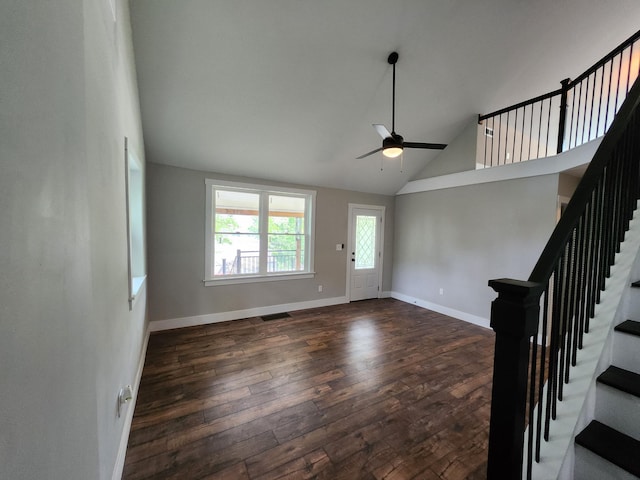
(370, 153)
(382, 130)
(430, 146)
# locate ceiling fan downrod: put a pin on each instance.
(393, 59)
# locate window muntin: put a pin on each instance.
(257, 232)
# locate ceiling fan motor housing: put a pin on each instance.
(394, 140)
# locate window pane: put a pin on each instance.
(286, 214)
(286, 233)
(365, 242)
(236, 233)
(237, 211)
(286, 253)
(236, 254)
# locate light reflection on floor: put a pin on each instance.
(363, 345)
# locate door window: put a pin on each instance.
(365, 242)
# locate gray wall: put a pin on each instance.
(176, 203)
(567, 184)
(459, 238)
(67, 339)
(459, 156)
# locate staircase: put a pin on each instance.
(560, 366)
(609, 447)
(580, 378)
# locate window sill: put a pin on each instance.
(136, 285)
(258, 278)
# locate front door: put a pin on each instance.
(365, 252)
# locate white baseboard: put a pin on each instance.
(128, 419)
(467, 317)
(159, 325)
(386, 294)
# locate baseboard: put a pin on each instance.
(128, 419)
(467, 317)
(386, 294)
(159, 325)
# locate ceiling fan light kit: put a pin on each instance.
(392, 147)
(393, 144)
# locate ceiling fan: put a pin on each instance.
(393, 144)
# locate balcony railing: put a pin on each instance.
(248, 262)
(578, 112)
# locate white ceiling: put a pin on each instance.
(287, 90)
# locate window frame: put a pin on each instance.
(211, 184)
(135, 215)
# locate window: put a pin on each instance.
(134, 181)
(365, 254)
(256, 233)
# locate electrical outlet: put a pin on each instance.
(319, 288)
(442, 291)
(125, 395)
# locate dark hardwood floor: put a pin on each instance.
(378, 389)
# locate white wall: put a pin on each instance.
(459, 238)
(68, 341)
(176, 214)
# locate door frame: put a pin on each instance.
(382, 210)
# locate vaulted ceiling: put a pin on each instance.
(287, 90)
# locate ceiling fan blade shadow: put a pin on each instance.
(370, 153)
(430, 146)
(382, 130)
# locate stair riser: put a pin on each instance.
(589, 466)
(626, 351)
(618, 410)
(634, 301)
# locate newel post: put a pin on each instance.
(562, 121)
(514, 318)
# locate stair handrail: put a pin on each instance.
(559, 296)
(544, 266)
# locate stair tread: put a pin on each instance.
(610, 444)
(621, 379)
(629, 326)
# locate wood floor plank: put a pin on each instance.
(310, 441)
(233, 472)
(153, 416)
(164, 428)
(222, 423)
(378, 389)
(305, 467)
(362, 463)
